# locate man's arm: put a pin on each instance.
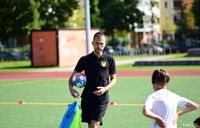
(113, 79)
(102, 90)
(73, 92)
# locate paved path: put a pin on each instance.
(132, 61)
(63, 72)
(118, 62)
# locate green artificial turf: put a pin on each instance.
(46, 101)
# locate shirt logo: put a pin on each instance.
(103, 63)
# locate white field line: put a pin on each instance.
(63, 104)
(18, 83)
(58, 104)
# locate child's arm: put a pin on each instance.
(190, 106)
(147, 112)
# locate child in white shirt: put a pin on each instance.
(161, 106)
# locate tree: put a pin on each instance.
(96, 21)
(54, 13)
(119, 15)
(77, 19)
(19, 17)
(186, 24)
(196, 12)
(189, 17)
(15, 16)
(171, 27)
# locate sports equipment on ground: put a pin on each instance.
(79, 80)
(72, 116)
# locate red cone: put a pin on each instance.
(113, 103)
(21, 102)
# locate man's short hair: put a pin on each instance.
(98, 35)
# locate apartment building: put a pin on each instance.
(158, 22)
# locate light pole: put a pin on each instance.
(87, 24)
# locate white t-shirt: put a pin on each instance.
(164, 103)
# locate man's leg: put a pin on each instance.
(94, 124)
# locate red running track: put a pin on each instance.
(132, 73)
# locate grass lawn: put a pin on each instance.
(47, 101)
(26, 65)
(178, 56)
(131, 67)
(19, 66)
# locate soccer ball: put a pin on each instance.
(79, 80)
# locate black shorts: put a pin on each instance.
(93, 111)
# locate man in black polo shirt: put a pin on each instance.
(100, 71)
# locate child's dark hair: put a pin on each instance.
(197, 122)
(160, 77)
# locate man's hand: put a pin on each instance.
(100, 91)
(73, 92)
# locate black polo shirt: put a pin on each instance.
(97, 71)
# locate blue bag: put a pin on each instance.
(72, 117)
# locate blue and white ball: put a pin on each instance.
(79, 80)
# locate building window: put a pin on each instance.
(165, 4)
(158, 20)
